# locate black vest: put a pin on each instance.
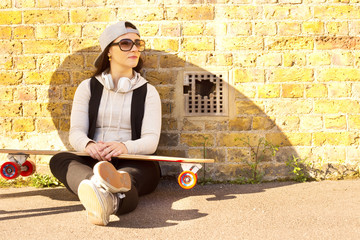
(137, 108)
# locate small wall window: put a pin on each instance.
(205, 93)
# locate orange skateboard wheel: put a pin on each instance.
(10, 170)
(29, 168)
(187, 179)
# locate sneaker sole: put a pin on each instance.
(94, 206)
(111, 179)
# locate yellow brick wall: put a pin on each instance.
(292, 67)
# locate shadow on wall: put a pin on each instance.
(186, 131)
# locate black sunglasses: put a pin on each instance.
(127, 44)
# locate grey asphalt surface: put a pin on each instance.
(279, 210)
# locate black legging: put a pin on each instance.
(71, 169)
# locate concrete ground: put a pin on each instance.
(286, 210)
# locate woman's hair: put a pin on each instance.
(104, 62)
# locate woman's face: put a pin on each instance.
(125, 59)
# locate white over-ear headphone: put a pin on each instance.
(124, 83)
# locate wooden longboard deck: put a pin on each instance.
(123, 156)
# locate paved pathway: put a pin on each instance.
(315, 210)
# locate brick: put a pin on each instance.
(289, 107)
(198, 44)
(88, 45)
(5, 4)
(238, 155)
(5, 125)
(189, 125)
(338, 74)
(91, 30)
(25, 3)
(354, 28)
(47, 3)
(170, 30)
(343, 59)
(46, 125)
(71, 3)
(336, 106)
(220, 59)
(339, 90)
(196, 140)
(145, 14)
(6, 63)
(287, 123)
(238, 43)
(6, 94)
(24, 32)
(316, 91)
(263, 123)
(289, 43)
(294, 59)
(287, 12)
(168, 45)
(292, 90)
(190, 13)
(336, 12)
(25, 93)
(354, 122)
(238, 12)
(92, 15)
(311, 122)
(25, 63)
(291, 75)
(215, 28)
(240, 28)
(249, 107)
(313, 28)
(332, 138)
(240, 124)
(47, 78)
(244, 91)
(166, 92)
(193, 29)
(289, 139)
(319, 59)
(10, 109)
(343, 42)
(148, 29)
(47, 32)
(46, 46)
(10, 17)
(337, 28)
(160, 77)
(288, 28)
(70, 31)
(5, 33)
(10, 78)
(45, 16)
(269, 60)
(231, 139)
(94, 3)
(335, 122)
(216, 125)
(10, 47)
(264, 28)
(48, 63)
(245, 60)
(249, 75)
(171, 61)
(23, 125)
(269, 91)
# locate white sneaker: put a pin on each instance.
(109, 178)
(98, 202)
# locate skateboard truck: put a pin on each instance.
(188, 178)
(16, 165)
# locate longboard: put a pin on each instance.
(19, 165)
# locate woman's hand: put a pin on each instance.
(112, 149)
(94, 150)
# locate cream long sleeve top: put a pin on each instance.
(113, 122)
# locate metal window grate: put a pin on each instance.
(205, 94)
